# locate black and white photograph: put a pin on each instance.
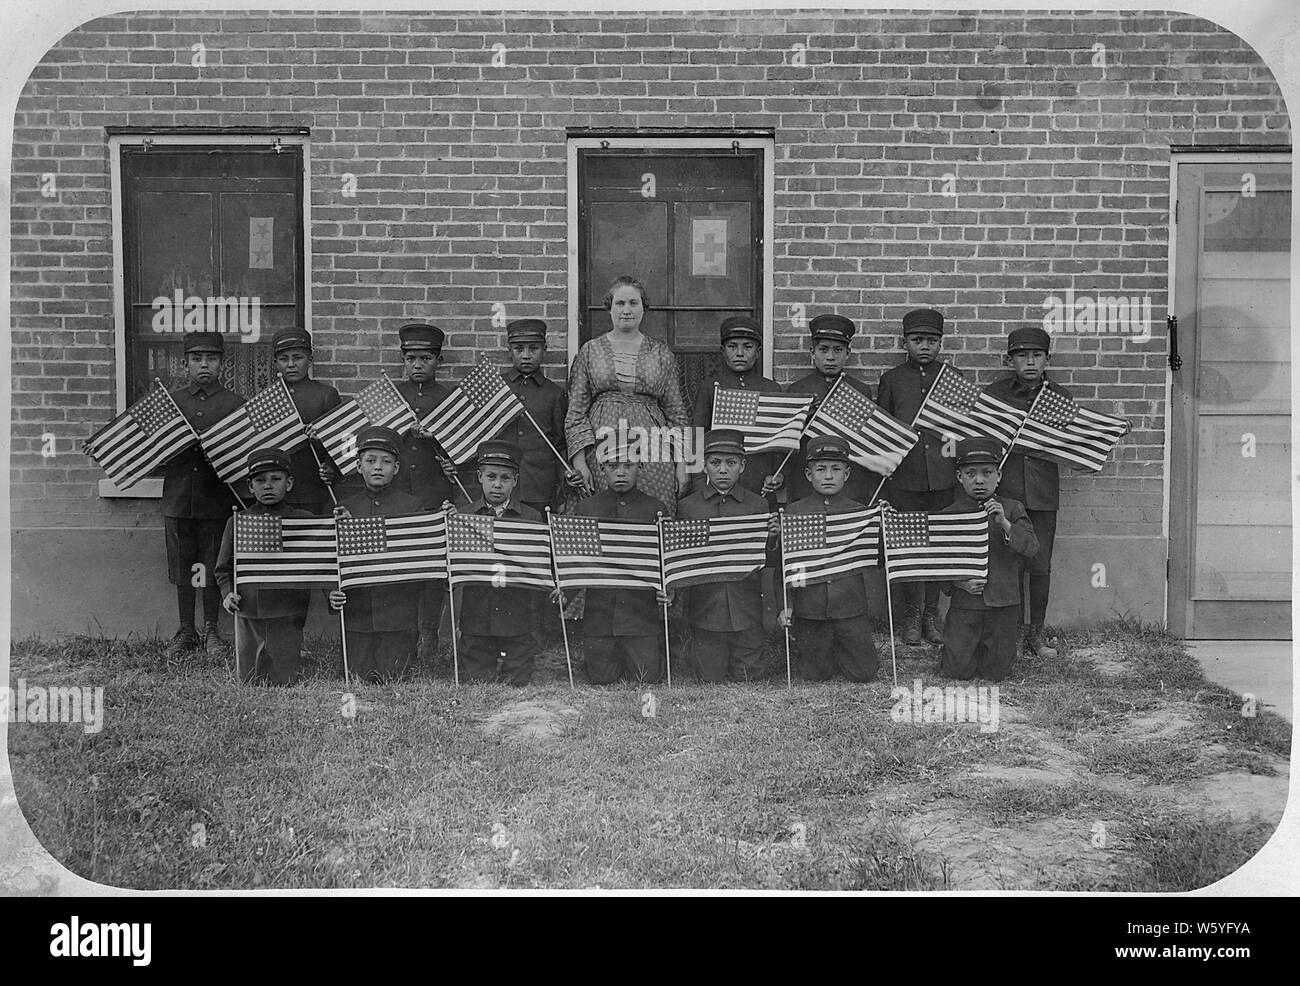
(764, 450)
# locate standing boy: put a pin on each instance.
(832, 628)
(268, 619)
(195, 502)
(726, 618)
(979, 637)
(426, 473)
(313, 471)
(623, 628)
(924, 480)
(742, 347)
(499, 622)
(1034, 482)
(831, 338)
(381, 620)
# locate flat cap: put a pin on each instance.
(923, 320)
(380, 438)
(726, 440)
(834, 327)
(1029, 337)
(204, 342)
(418, 336)
(287, 339)
(741, 327)
(827, 447)
(526, 330)
(495, 453)
(267, 459)
(979, 451)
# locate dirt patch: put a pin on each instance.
(1235, 792)
(1161, 724)
(534, 722)
(1105, 660)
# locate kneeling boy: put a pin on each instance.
(982, 629)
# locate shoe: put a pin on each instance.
(932, 629)
(1034, 646)
(912, 626)
(212, 642)
(186, 640)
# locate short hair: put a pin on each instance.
(625, 281)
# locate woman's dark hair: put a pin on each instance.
(626, 281)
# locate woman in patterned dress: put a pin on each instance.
(626, 378)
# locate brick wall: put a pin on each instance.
(1061, 178)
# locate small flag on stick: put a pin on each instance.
(141, 438)
(268, 419)
(273, 550)
(936, 547)
(378, 404)
(713, 549)
(768, 421)
(498, 551)
(877, 441)
(472, 413)
(605, 554)
(820, 547)
(384, 550)
(1059, 430)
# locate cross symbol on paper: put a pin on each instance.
(712, 249)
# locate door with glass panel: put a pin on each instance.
(1230, 471)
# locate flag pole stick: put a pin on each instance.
(668, 656)
(889, 600)
(915, 417)
(343, 625)
(533, 421)
(559, 600)
(234, 573)
(784, 600)
(451, 606)
(314, 454)
(1007, 454)
(804, 429)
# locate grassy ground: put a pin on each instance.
(1115, 766)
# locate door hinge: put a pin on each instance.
(1171, 326)
(1176, 205)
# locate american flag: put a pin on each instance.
(955, 406)
(498, 551)
(473, 412)
(769, 421)
(377, 404)
(936, 547)
(141, 438)
(821, 547)
(268, 419)
(272, 550)
(876, 440)
(1062, 431)
(605, 554)
(713, 549)
(381, 550)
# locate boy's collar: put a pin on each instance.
(710, 491)
(382, 491)
(1017, 386)
(208, 389)
(514, 373)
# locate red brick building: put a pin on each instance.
(472, 169)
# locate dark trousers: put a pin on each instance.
(1038, 570)
(639, 659)
(377, 656)
(717, 654)
(191, 542)
(269, 650)
(479, 655)
(824, 645)
(923, 595)
(980, 642)
(433, 595)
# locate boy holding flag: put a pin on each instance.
(313, 472)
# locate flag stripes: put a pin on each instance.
(141, 438)
(713, 549)
(499, 551)
(877, 441)
(273, 550)
(605, 554)
(1060, 430)
(820, 547)
(384, 550)
(472, 413)
(768, 421)
(936, 547)
(953, 406)
(268, 419)
(377, 404)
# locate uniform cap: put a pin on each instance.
(828, 447)
(526, 330)
(923, 320)
(417, 336)
(204, 342)
(496, 453)
(978, 451)
(1029, 337)
(291, 339)
(741, 327)
(835, 327)
(381, 438)
(266, 459)
(727, 440)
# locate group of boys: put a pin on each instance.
(388, 628)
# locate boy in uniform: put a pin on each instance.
(832, 628)
(980, 634)
(268, 619)
(831, 338)
(313, 473)
(1034, 482)
(742, 347)
(426, 473)
(502, 620)
(925, 479)
(726, 618)
(623, 628)
(381, 620)
(195, 502)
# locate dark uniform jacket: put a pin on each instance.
(312, 399)
(840, 598)
(190, 484)
(488, 611)
(260, 602)
(902, 391)
(760, 465)
(540, 472)
(724, 605)
(382, 609)
(421, 474)
(622, 612)
(1007, 554)
(861, 483)
(1036, 483)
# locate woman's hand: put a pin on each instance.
(683, 479)
(584, 472)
